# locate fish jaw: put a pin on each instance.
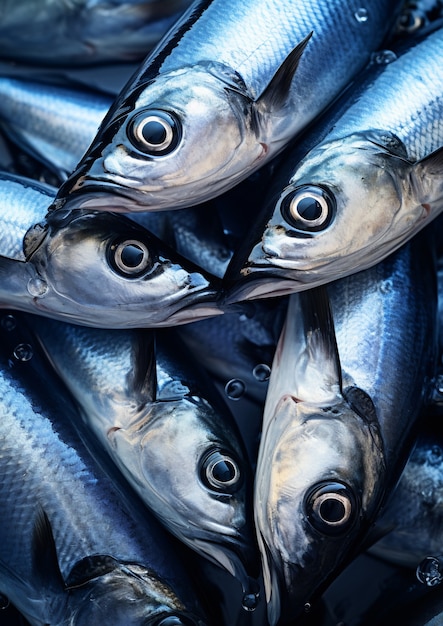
(166, 453)
(218, 144)
(304, 448)
(79, 281)
(379, 200)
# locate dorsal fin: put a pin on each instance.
(275, 94)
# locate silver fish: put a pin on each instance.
(53, 123)
(216, 98)
(321, 464)
(179, 449)
(76, 547)
(370, 181)
(99, 270)
(349, 421)
(84, 31)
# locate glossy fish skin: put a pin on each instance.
(99, 270)
(374, 169)
(53, 123)
(226, 81)
(411, 521)
(385, 329)
(85, 31)
(319, 448)
(97, 555)
(139, 398)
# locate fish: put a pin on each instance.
(76, 545)
(370, 179)
(347, 386)
(321, 464)
(226, 89)
(147, 403)
(53, 123)
(84, 32)
(95, 269)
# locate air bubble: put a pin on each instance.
(386, 286)
(37, 287)
(235, 388)
(361, 15)
(4, 602)
(23, 352)
(435, 455)
(261, 372)
(8, 322)
(250, 601)
(428, 571)
(383, 57)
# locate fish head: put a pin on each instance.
(318, 484)
(128, 594)
(188, 136)
(348, 205)
(193, 474)
(102, 270)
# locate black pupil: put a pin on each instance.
(309, 208)
(132, 256)
(223, 471)
(154, 133)
(332, 510)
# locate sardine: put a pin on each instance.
(321, 463)
(347, 419)
(225, 90)
(53, 123)
(370, 180)
(179, 448)
(95, 269)
(48, 32)
(76, 547)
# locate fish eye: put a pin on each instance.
(331, 508)
(129, 258)
(308, 208)
(220, 472)
(154, 132)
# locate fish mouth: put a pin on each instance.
(196, 310)
(100, 195)
(234, 555)
(270, 283)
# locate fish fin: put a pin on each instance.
(426, 179)
(307, 355)
(275, 94)
(145, 372)
(44, 553)
(90, 567)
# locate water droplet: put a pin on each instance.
(4, 602)
(439, 385)
(261, 372)
(386, 286)
(428, 571)
(8, 322)
(307, 607)
(250, 601)
(383, 57)
(37, 287)
(235, 388)
(23, 352)
(361, 15)
(435, 455)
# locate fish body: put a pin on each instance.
(84, 32)
(359, 434)
(225, 90)
(63, 268)
(53, 123)
(141, 400)
(369, 180)
(76, 547)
